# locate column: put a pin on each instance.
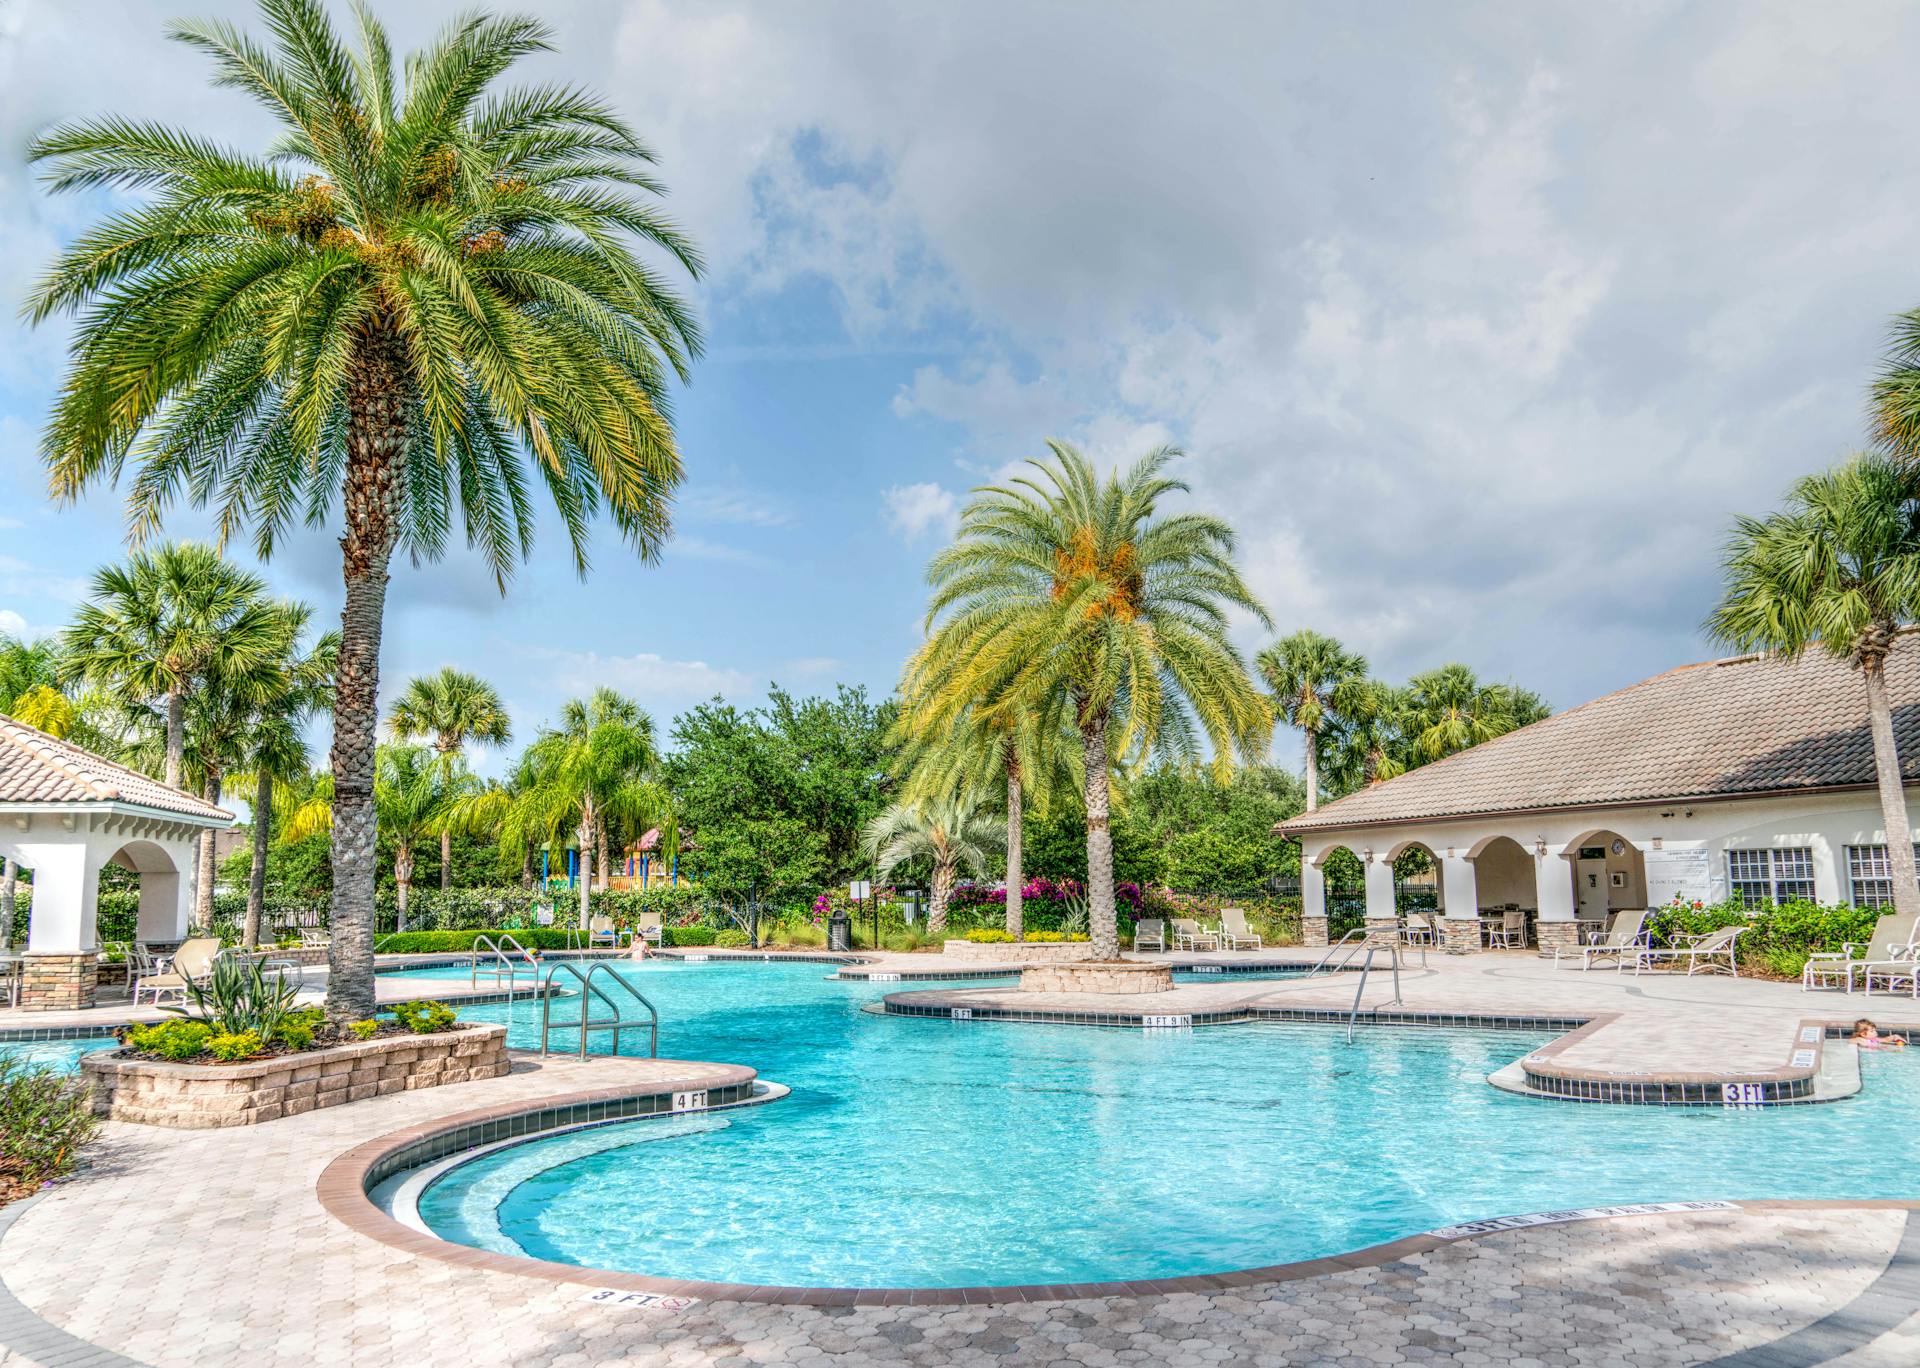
(166, 903)
(1460, 889)
(1313, 901)
(1383, 917)
(1553, 886)
(61, 963)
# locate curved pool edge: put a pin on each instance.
(345, 1185)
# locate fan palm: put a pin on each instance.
(1896, 393)
(1309, 673)
(453, 708)
(424, 300)
(164, 624)
(1371, 742)
(949, 831)
(1449, 710)
(1075, 599)
(597, 769)
(1837, 568)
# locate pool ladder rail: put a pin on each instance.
(1366, 968)
(498, 965)
(589, 993)
(1354, 943)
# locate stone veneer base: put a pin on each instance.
(208, 1096)
(1129, 977)
(58, 983)
(1313, 931)
(1017, 952)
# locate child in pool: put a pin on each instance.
(1867, 1037)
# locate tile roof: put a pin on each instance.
(37, 768)
(1723, 728)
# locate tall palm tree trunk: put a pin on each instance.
(582, 882)
(1016, 921)
(9, 882)
(203, 862)
(1893, 793)
(402, 881)
(942, 889)
(446, 861)
(600, 839)
(1101, 921)
(176, 736)
(378, 385)
(1312, 735)
(257, 874)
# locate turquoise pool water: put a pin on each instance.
(935, 1153)
(63, 1055)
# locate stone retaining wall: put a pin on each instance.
(57, 983)
(207, 1096)
(1017, 952)
(1097, 978)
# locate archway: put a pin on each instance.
(1505, 891)
(1609, 875)
(163, 909)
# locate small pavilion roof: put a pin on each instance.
(1741, 727)
(36, 768)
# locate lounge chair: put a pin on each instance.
(646, 928)
(1895, 974)
(193, 960)
(1891, 937)
(1150, 933)
(600, 931)
(1510, 932)
(1708, 951)
(1418, 929)
(316, 938)
(1187, 935)
(1626, 937)
(1235, 931)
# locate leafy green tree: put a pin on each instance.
(1057, 846)
(1449, 710)
(165, 624)
(1838, 569)
(1073, 598)
(422, 302)
(1215, 837)
(451, 708)
(950, 833)
(1310, 675)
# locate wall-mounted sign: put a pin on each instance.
(1683, 872)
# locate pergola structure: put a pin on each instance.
(65, 814)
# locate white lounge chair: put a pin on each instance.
(1627, 936)
(1235, 931)
(1419, 929)
(1150, 933)
(1705, 952)
(600, 930)
(193, 960)
(1888, 943)
(1187, 935)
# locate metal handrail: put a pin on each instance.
(1366, 967)
(505, 968)
(615, 1023)
(1333, 949)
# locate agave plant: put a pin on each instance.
(237, 996)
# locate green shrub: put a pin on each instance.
(460, 942)
(425, 1018)
(911, 939)
(732, 938)
(364, 1030)
(985, 936)
(178, 1039)
(230, 1045)
(238, 996)
(45, 1119)
(1781, 937)
(684, 936)
(799, 934)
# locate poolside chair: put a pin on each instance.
(315, 938)
(1708, 951)
(600, 931)
(1235, 931)
(1510, 932)
(1150, 933)
(1627, 936)
(1891, 937)
(1187, 935)
(646, 928)
(1418, 929)
(193, 960)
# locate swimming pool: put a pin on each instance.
(917, 1153)
(63, 1055)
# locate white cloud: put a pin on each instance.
(736, 506)
(657, 682)
(916, 509)
(12, 624)
(811, 667)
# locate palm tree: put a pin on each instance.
(163, 625)
(950, 832)
(597, 769)
(1896, 393)
(30, 685)
(421, 302)
(1073, 598)
(1450, 710)
(1370, 745)
(453, 707)
(1309, 673)
(1838, 568)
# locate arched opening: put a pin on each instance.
(1343, 887)
(1609, 874)
(162, 911)
(1505, 892)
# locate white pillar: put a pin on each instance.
(1313, 902)
(1383, 917)
(1553, 885)
(66, 895)
(1460, 890)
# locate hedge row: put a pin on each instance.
(531, 938)
(1781, 937)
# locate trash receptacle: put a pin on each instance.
(839, 932)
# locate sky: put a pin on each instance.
(1478, 322)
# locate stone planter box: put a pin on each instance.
(1017, 952)
(1097, 978)
(156, 1092)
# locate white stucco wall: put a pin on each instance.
(66, 852)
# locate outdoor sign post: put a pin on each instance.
(859, 892)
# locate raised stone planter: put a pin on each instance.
(209, 1096)
(1130, 977)
(1017, 952)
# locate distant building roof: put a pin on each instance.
(38, 768)
(1744, 726)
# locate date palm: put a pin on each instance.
(1072, 595)
(163, 625)
(1309, 673)
(950, 832)
(1838, 569)
(423, 301)
(451, 708)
